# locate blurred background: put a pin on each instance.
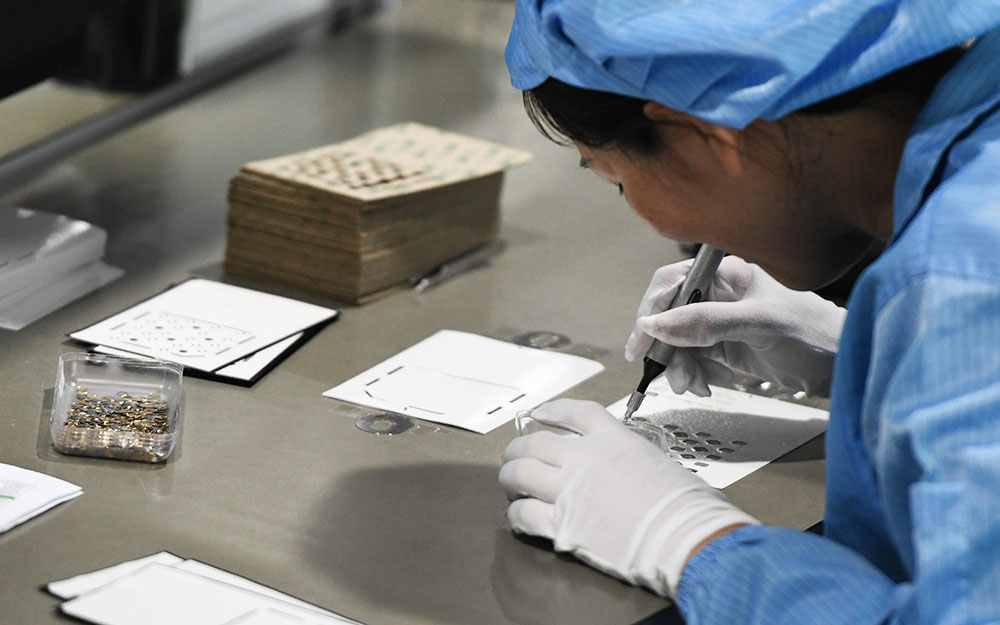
(73, 72)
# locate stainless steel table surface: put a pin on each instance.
(275, 482)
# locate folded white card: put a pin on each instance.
(25, 494)
(465, 380)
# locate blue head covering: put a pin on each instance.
(733, 61)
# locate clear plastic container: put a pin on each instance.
(113, 407)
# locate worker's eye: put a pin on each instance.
(621, 189)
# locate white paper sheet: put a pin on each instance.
(181, 597)
(265, 616)
(87, 582)
(729, 435)
(465, 380)
(205, 570)
(204, 324)
(25, 494)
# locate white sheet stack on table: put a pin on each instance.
(46, 262)
(187, 591)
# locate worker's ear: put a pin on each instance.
(727, 144)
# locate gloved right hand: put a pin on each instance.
(610, 497)
(748, 322)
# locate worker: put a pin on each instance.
(797, 135)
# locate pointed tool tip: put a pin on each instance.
(633, 404)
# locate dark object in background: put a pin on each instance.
(39, 39)
(140, 45)
(130, 45)
(160, 51)
(112, 44)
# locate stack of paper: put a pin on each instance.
(25, 494)
(186, 591)
(218, 330)
(46, 262)
(353, 219)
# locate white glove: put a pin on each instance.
(610, 497)
(748, 322)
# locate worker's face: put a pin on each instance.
(750, 209)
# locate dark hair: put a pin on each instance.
(564, 113)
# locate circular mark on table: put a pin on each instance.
(385, 424)
(542, 339)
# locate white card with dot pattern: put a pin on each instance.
(727, 436)
(204, 324)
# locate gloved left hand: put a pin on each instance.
(610, 497)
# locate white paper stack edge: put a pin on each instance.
(187, 591)
(46, 262)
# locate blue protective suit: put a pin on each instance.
(912, 527)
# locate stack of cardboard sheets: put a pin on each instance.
(355, 219)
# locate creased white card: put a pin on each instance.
(727, 436)
(465, 380)
(204, 324)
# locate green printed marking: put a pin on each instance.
(7, 497)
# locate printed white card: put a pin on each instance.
(727, 436)
(204, 324)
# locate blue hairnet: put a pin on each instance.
(733, 61)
